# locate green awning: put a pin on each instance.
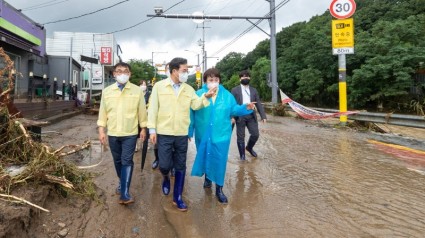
(19, 32)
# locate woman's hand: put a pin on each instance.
(251, 106)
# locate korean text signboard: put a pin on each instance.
(106, 55)
(343, 36)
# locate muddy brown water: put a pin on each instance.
(308, 181)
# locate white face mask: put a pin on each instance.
(122, 78)
(212, 85)
(143, 87)
(183, 77)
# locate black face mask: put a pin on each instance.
(245, 81)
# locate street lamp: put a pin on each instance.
(153, 65)
(55, 87)
(194, 53)
(44, 87)
(30, 86)
(212, 58)
(13, 73)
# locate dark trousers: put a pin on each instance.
(251, 123)
(172, 151)
(122, 149)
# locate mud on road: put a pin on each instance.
(274, 195)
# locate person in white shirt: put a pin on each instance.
(246, 94)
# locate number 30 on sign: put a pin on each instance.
(342, 9)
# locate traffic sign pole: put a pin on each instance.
(342, 84)
(342, 43)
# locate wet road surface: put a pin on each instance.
(308, 181)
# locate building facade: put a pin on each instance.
(24, 41)
(86, 48)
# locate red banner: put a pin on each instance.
(106, 55)
(308, 113)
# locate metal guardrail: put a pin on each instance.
(384, 118)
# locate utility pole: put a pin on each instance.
(272, 18)
(70, 67)
(91, 77)
(201, 42)
(273, 59)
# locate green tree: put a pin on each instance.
(233, 82)
(389, 47)
(309, 83)
(140, 70)
(392, 51)
(229, 65)
(259, 75)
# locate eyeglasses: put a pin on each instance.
(122, 72)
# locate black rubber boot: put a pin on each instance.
(241, 148)
(220, 195)
(250, 146)
(155, 163)
(207, 182)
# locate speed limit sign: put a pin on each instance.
(342, 9)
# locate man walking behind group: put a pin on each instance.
(122, 110)
(245, 94)
(168, 122)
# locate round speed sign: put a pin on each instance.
(342, 9)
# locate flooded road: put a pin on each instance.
(308, 181)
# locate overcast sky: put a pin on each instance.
(169, 35)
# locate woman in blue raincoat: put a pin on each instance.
(212, 127)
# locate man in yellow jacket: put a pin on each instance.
(122, 110)
(168, 122)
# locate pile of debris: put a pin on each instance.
(24, 160)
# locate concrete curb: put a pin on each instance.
(62, 116)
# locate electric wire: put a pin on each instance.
(43, 5)
(86, 14)
(144, 21)
(251, 27)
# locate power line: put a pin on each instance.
(127, 28)
(42, 5)
(86, 14)
(251, 27)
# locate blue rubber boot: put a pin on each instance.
(118, 171)
(178, 190)
(126, 173)
(165, 182)
(220, 195)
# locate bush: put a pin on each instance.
(279, 110)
